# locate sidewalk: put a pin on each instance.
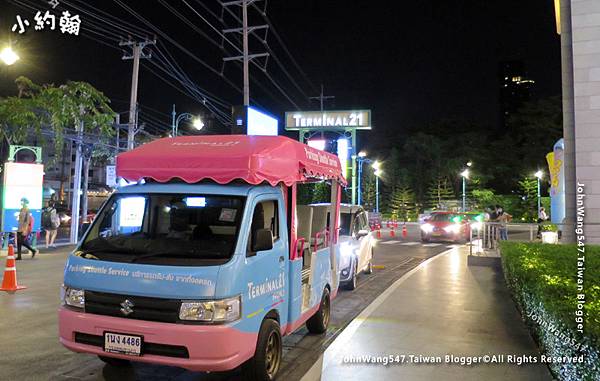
(443, 307)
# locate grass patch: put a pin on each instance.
(543, 281)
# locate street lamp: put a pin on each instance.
(8, 56)
(361, 158)
(539, 174)
(465, 176)
(378, 171)
(196, 121)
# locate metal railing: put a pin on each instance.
(488, 236)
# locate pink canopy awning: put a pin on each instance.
(225, 158)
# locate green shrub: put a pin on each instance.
(543, 281)
(548, 227)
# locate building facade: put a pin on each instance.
(580, 46)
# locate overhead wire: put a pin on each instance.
(285, 48)
(275, 57)
(108, 33)
(277, 86)
(178, 45)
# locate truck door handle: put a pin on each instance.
(281, 259)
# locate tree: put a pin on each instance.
(368, 190)
(47, 108)
(440, 192)
(402, 203)
(528, 194)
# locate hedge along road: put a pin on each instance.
(30, 326)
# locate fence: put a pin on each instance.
(488, 235)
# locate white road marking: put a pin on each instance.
(390, 242)
(432, 244)
(409, 243)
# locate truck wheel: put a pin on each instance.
(320, 320)
(115, 361)
(267, 358)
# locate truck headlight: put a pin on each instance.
(212, 311)
(72, 297)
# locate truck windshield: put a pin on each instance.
(166, 229)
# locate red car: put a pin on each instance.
(445, 226)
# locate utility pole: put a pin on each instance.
(137, 53)
(246, 57)
(322, 97)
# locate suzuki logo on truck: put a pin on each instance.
(127, 307)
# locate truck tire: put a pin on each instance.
(320, 320)
(115, 361)
(267, 359)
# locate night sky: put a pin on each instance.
(412, 63)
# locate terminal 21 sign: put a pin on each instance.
(328, 120)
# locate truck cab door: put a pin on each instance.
(267, 259)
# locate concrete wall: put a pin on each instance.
(585, 31)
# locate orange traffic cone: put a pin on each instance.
(404, 231)
(378, 231)
(9, 282)
(392, 232)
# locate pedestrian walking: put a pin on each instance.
(24, 229)
(50, 223)
(503, 218)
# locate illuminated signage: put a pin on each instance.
(260, 123)
(342, 152)
(317, 143)
(329, 120)
(22, 180)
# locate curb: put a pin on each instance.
(343, 339)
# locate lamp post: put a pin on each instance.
(196, 121)
(8, 56)
(539, 174)
(465, 176)
(361, 158)
(376, 166)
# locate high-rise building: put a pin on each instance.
(515, 89)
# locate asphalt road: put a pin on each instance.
(28, 327)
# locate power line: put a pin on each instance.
(178, 45)
(285, 48)
(106, 32)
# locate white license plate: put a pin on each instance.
(122, 344)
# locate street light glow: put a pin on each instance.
(378, 172)
(376, 165)
(465, 173)
(469, 163)
(539, 174)
(8, 56)
(362, 154)
(197, 123)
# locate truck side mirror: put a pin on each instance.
(262, 240)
